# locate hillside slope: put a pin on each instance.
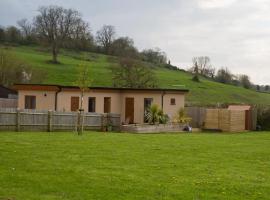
(204, 93)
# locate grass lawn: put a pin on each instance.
(128, 166)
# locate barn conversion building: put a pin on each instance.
(130, 103)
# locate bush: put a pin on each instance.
(181, 116)
(155, 115)
(264, 118)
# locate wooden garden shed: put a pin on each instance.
(250, 115)
(236, 118)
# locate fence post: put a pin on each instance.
(18, 120)
(102, 123)
(49, 121)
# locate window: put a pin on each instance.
(74, 104)
(172, 101)
(147, 103)
(30, 102)
(107, 104)
(92, 104)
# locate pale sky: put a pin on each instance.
(233, 33)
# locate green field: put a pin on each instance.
(204, 93)
(118, 166)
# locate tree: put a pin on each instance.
(2, 34)
(266, 88)
(27, 30)
(13, 70)
(155, 56)
(81, 38)
(245, 81)
(124, 47)
(84, 83)
(13, 34)
(55, 24)
(204, 66)
(105, 37)
(224, 76)
(133, 74)
(195, 71)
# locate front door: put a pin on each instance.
(107, 104)
(129, 111)
(75, 103)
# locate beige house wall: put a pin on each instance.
(139, 104)
(169, 109)
(47, 102)
(64, 100)
(44, 99)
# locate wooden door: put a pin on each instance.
(107, 104)
(248, 120)
(75, 101)
(129, 110)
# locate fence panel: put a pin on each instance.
(8, 103)
(8, 118)
(237, 121)
(64, 121)
(93, 121)
(211, 120)
(32, 120)
(197, 114)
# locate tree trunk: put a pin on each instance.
(54, 53)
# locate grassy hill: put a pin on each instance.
(206, 92)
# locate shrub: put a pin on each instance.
(264, 118)
(156, 115)
(181, 116)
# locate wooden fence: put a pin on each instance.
(32, 120)
(197, 114)
(8, 103)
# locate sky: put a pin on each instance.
(233, 33)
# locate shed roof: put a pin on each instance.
(239, 107)
(4, 92)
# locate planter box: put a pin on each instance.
(147, 128)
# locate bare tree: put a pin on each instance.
(84, 82)
(105, 37)
(55, 24)
(204, 66)
(81, 38)
(26, 27)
